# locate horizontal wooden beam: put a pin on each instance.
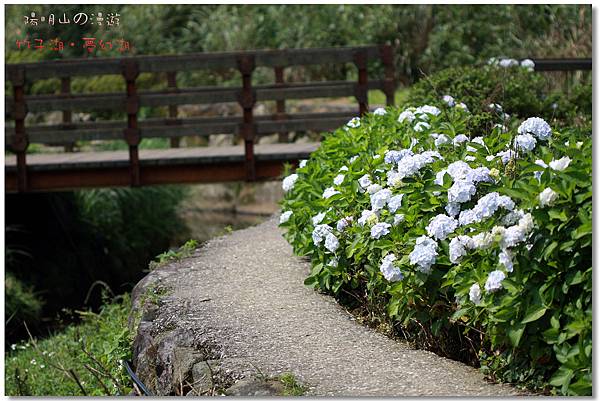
(197, 61)
(170, 128)
(202, 95)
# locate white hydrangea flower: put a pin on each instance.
(354, 122)
(395, 202)
(380, 198)
(538, 174)
(495, 107)
(475, 294)
(375, 157)
(462, 106)
(329, 192)
(458, 170)
(506, 155)
(427, 109)
(353, 159)
(470, 158)
(380, 229)
(508, 62)
(288, 182)
(380, 111)
(512, 217)
(394, 156)
(318, 218)
(482, 240)
(528, 64)
(285, 216)
(536, 126)
(320, 232)
(441, 226)
(459, 246)
(460, 138)
(547, 197)
(486, 206)
(371, 189)
(424, 254)
(339, 179)
(406, 115)
(449, 100)
(334, 262)
(516, 234)
(364, 181)
(494, 281)
(525, 142)
(367, 217)
(410, 165)
(344, 222)
(560, 164)
(343, 168)
(441, 140)
(393, 178)
(302, 163)
(421, 125)
(452, 208)
(461, 191)
(387, 268)
(505, 259)
(331, 242)
(398, 218)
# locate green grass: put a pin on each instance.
(378, 97)
(291, 386)
(84, 359)
(173, 256)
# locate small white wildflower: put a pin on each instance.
(463, 106)
(547, 197)
(495, 107)
(380, 111)
(508, 62)
(302, 163)
(475, 294)
(528, 64)
(536, 126)
(353, 159)
(494, 281)
(354, 122)
(288, 182)
(560, 164)
(380, 229)
(339, 179)
(441, 140)
(331, 242)
(285, 216)
(428, 110)
(343, 168)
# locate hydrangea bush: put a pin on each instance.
(484, 238)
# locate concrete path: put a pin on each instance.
(244, 295)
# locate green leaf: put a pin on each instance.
(515, 333)
(534, 313)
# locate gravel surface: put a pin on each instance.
(244, 294)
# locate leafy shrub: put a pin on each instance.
(519, 91)
(481, 243)
(22, 304)
(82, 360)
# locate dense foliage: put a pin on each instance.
(483, 238)
(85, 359)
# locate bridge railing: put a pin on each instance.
(248, 126)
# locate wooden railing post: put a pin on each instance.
(389, 84)
(283, 137)
(65, 90)
(361, 91)
(172, 84)
(131, 71)
(247, 99)
(20, 141)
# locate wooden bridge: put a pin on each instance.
(39, 172)
(67, 170)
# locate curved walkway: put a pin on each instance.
(244, 295)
